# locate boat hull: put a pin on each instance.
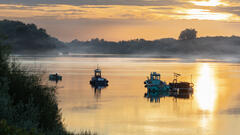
(181, 87)
(99, 82)
(54, 77)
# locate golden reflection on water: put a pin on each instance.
(122, 108)
(206, 89)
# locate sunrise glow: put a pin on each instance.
(204, 14)
(123, 20)
(209, 3)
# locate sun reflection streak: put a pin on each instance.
(206, 89)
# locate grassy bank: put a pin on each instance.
(27, 106)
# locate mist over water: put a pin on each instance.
(121, 108)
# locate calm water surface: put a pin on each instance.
(213, 109)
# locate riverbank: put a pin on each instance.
(27, 106)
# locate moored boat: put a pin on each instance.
(156, 88)
(55, 77)
(97, 79)
(176, 86)
(155, 84)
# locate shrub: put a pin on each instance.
(25, 103)
(6, 129)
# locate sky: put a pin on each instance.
(117, 20)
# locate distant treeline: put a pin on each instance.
(27, 38)
(167, 46)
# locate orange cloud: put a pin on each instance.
(114, 12)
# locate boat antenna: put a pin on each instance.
(176, 75)
(191, 78)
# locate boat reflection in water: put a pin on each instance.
(98, 89)
(156, 96)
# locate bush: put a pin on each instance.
(38, 100)
(25, 103)
(5, 129)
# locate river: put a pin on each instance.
(121, 108)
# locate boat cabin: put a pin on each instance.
(154, 76)
(155, 84)
(98, 73)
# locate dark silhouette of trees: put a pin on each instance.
(27, 37)
(27, 107)
(188, 34)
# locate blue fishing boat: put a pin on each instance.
(154, 84)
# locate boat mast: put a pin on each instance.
(176, 75)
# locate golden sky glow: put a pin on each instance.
(114, 12)
(205, 14)
(209, 3)
(144, 11)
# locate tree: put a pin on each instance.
(188, 34)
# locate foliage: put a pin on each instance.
(200, 47)
(6, 129)
(188, 34)
(28, 94)
(25, 103)
(27, 37)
